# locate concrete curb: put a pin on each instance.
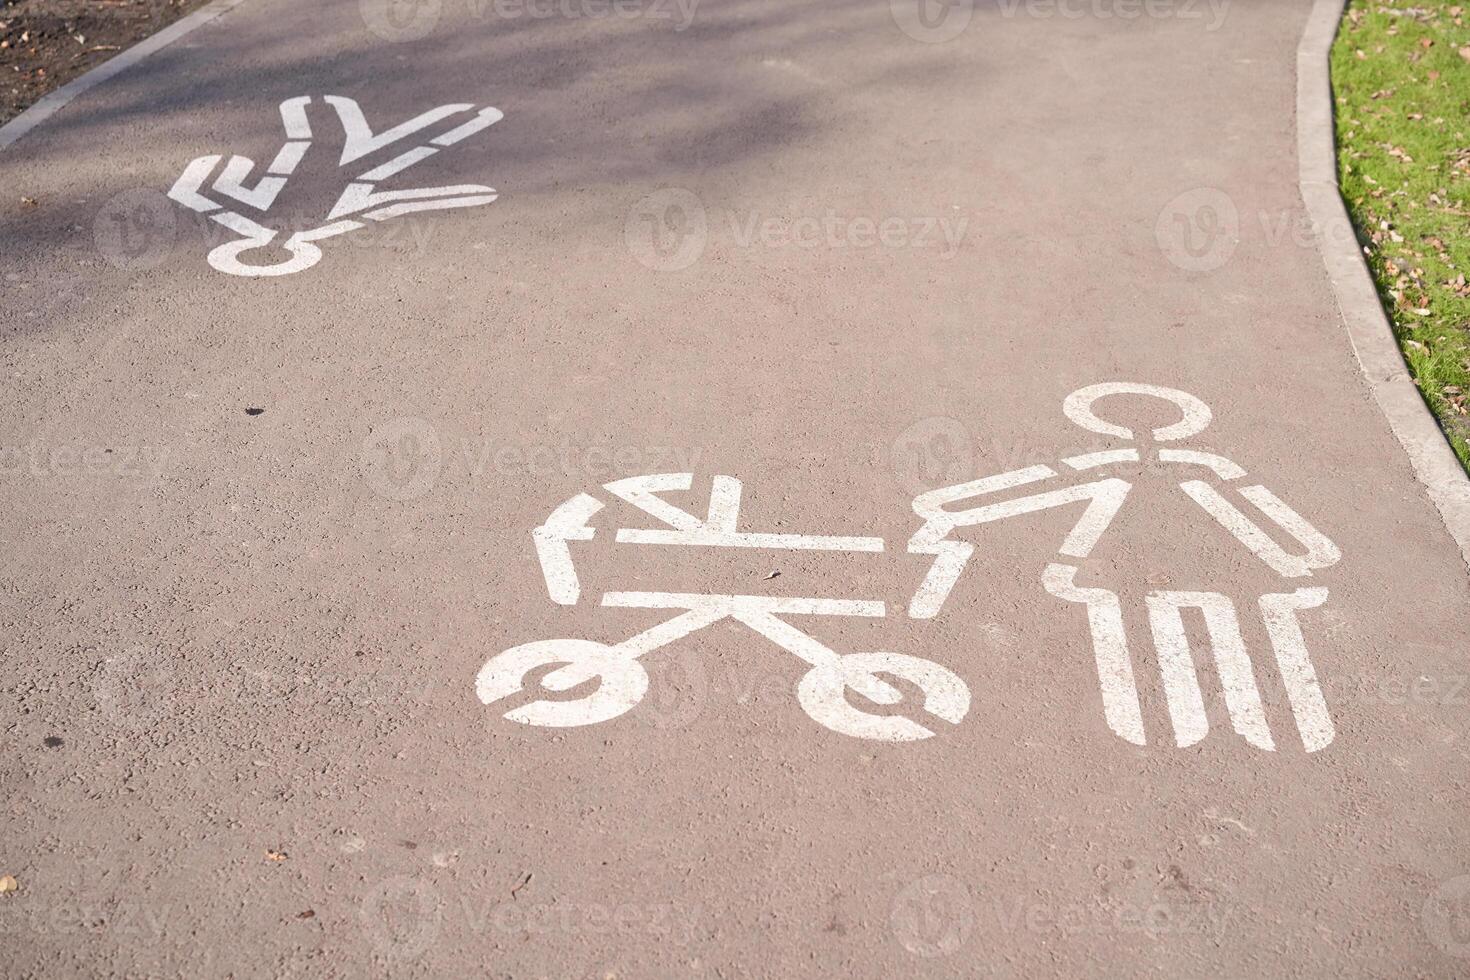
(50, 103)
(1434, 462)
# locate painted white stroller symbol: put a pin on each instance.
(358, 200)
(822, 692)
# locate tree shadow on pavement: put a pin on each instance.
(593, 104)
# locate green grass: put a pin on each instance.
(1401, 79)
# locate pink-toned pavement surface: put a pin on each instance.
(241, 734)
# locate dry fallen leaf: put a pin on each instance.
(9, 884)
(308, 914)
(1465, 53)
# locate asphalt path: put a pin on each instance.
(454, 539)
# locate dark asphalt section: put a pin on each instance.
(259, 653)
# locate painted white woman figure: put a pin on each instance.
(1211, 482)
